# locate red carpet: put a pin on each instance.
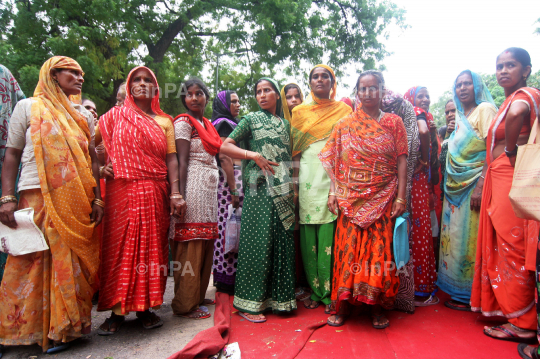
(432, 332)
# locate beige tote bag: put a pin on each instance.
(525, 191)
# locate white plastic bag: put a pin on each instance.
(232, 230)
(26, 238)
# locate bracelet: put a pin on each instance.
(511, 153)
(7, 199)
(332, 194)
(176, 180)
(101, 171)
(401, 200)
(245, 154)
(236, 194)
(99, 202)
(423, 163)
(176, 196)
(482, 177)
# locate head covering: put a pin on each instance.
(53, 96)
(275, 85)
(221, 108)
(314, 119)
(410, 96)
(286, 112)
(130, 101)
(481, 92)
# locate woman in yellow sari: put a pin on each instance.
(311, 125)
(46, 297)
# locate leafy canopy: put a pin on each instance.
(179, 39)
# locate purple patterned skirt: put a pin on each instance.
(224, 268)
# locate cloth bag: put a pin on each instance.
(525, 192)
(232, 229)
(401, 241)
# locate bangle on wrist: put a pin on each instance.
(7, 199)
(401, 200)
(99, 202)
(332, 194)
(511, 153)
(101, 171)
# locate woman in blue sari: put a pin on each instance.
(463, 183)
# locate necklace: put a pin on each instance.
(472, 109)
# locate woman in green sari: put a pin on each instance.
(265, 275)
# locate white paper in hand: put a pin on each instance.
(26, 238)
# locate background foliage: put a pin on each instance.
(179, 39)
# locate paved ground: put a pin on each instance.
(132, 341)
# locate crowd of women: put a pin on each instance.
(322, 183)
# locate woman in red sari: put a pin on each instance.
(504, 281)
(139, 139)
(366, 160)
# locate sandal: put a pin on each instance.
(302, 294)
(245, 316)
(113, 319)
(150, 317)
(209, 302)
(378, 318)
(454, 304)
(337, 317)
(195, 314)
(432, 300)
(309, 305)
(521, 352)
(57, 348)
(511, 335)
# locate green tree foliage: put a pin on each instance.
(497, 92)
(179, 39)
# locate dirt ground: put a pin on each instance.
(132, 341)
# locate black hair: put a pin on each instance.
(521, 55)
(442, 131)
(451, 100)
(271, 83)
(377, 74)
(292, 86)
(193, 81)
(464, 72)
(320, 67)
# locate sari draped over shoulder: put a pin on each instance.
(137, 208)
(466, 151)
(504, 281)
(47, 295)
(361, 158)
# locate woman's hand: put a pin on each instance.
(333, 204)
(265, 165)
(512, 160)
(107, 171)
(397, 210)
(450, 127)
(419, 166)
(7, 214)
(178, 207)
(235, 201)
(97, 214)
(476, 197)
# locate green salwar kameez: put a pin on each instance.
(265, 274)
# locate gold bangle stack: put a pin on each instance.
(101, 171)
(176, 195)
(7, 199)
(99, 202)
(402, 201)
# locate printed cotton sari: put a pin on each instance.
(361, 158)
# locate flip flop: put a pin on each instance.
(378, 318)
(308, 305)
(58, 348)
(186, 315)
(432, 300)
(511, 336)
(338, 316)
(464, 307)
(243, 315)
(150, 316)
(302, 295)
(110, 321)
(521, 352)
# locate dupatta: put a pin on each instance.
(208, 134)
(286, 112)
(61, 139)
(221, 109)
(135, 142)
(466, 151)
(361, 158)
(314, 119)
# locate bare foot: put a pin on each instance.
(311, 304)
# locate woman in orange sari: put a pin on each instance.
(504, 281)
(366, 160)
(46, 297)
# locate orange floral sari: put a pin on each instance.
(48, 295)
